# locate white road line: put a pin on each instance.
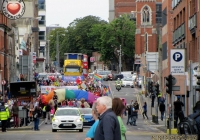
(41, 123)
(30, 123)
(111, 90)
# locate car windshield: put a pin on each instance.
(67, 112)
(72, 69)
(85, 110)
(128, 79)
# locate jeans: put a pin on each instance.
(48, 116)
(36, 123)
(162, 114)
(128, 120)
(145, 114)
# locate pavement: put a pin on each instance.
(162, 125)
(145, 129)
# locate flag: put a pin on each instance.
(97, 77)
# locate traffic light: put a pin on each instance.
(157, 89)
(198, 83)
(169, 84)
(150, 87)
(198, 80)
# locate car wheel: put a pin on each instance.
(54, 130)
(132, 87)
(81, 130)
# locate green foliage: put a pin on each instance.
(89, 34)
(109, 37)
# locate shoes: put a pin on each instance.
(45, 123)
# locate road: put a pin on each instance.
(143, 130)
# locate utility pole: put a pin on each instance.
(57, 52)
(120, 59)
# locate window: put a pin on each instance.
(159, 13)
(146, 15)
(41, 4)
(146, 41)
(164, 17)
(164, 52)
(72, 69)
(42, 21)
(42, 35)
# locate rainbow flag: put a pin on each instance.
(97, 77)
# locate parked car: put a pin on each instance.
(88, 119)
(127, 82)
(139, 82)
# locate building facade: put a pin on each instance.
(148, 17)
(181, 31)
(42, 35)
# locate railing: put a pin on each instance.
(179, 34)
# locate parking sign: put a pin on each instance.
(177, 62)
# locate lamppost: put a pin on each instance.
(120, 59)
(50, 27)
(58, 50)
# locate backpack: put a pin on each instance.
(133, 113)
(188, 126)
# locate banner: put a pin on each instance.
(72, 78)
(47, 89)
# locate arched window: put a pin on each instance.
(146, 14)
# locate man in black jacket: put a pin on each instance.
(108, 127)
(178, 104)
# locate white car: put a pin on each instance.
(127, 81)
(67, 118)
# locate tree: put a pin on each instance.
(108, 38)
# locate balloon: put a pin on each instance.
(49, 96)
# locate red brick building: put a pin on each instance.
(4, 29)
(147, 15)
(181, 30)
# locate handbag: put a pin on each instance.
(36, 115)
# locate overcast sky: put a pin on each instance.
(63, 12)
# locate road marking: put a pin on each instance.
(41, 123)
(30, 123)
(111, 90)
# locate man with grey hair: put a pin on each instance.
(108, 128)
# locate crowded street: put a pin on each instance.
(144, 129)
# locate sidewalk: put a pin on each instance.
(162, 125)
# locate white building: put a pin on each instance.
(42, 36)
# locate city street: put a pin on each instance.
(143, 130)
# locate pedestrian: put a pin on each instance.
(118, 108)
(37, 113)
(128, 108)
(48, 112)
(178, 104)
(162, 109)
(15, 112)
(4, 115)
(134, 114)
(108, 127)
(91, 131)
(136, 107)
(196, 112)
(145, 110)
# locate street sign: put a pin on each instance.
(177, 62)
(175, 88)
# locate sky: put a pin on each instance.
(63, 12)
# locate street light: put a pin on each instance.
(57, 50)
(120, 59)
